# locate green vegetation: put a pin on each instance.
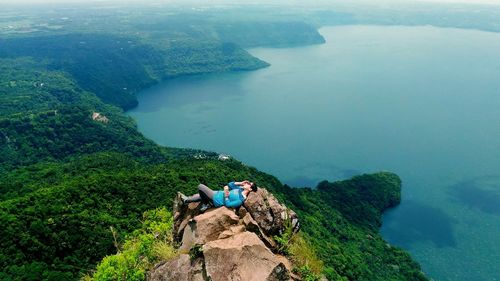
(46, 117)
(66, 218)
(28, 87)
(112, 68)
(206, 57)
(277, 34)
(302, 254)
(115, 68)
(148, 245)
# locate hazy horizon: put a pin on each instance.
(281, 2)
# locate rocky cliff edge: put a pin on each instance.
(230, 244)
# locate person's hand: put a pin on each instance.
(226, 193)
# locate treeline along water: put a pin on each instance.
(419, 101)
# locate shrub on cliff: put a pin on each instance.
(146, 246)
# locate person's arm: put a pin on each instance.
(233, 185)
(240, 183)
(233, 203)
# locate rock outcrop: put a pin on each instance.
(96, 116)
(271, 216)
(228, 244)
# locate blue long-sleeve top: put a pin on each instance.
(234, 200)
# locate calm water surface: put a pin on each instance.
(423, 102)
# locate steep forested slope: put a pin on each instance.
(65, 212)
(46, 116)
(116, 68)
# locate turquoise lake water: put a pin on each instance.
(423, 102)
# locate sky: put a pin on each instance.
(495, 2)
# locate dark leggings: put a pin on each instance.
(205, 194)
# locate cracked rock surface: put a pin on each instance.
(228, 244)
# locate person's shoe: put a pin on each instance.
(182, 197)
(204, 207)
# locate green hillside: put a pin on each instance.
(65, 210)
(115, 68)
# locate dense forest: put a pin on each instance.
(76, 174)
(115, 68)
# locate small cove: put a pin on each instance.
(418, 101)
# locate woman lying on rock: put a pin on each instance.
(233, 195)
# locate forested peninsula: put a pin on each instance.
(76, 176)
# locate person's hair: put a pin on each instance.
(254, 187)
